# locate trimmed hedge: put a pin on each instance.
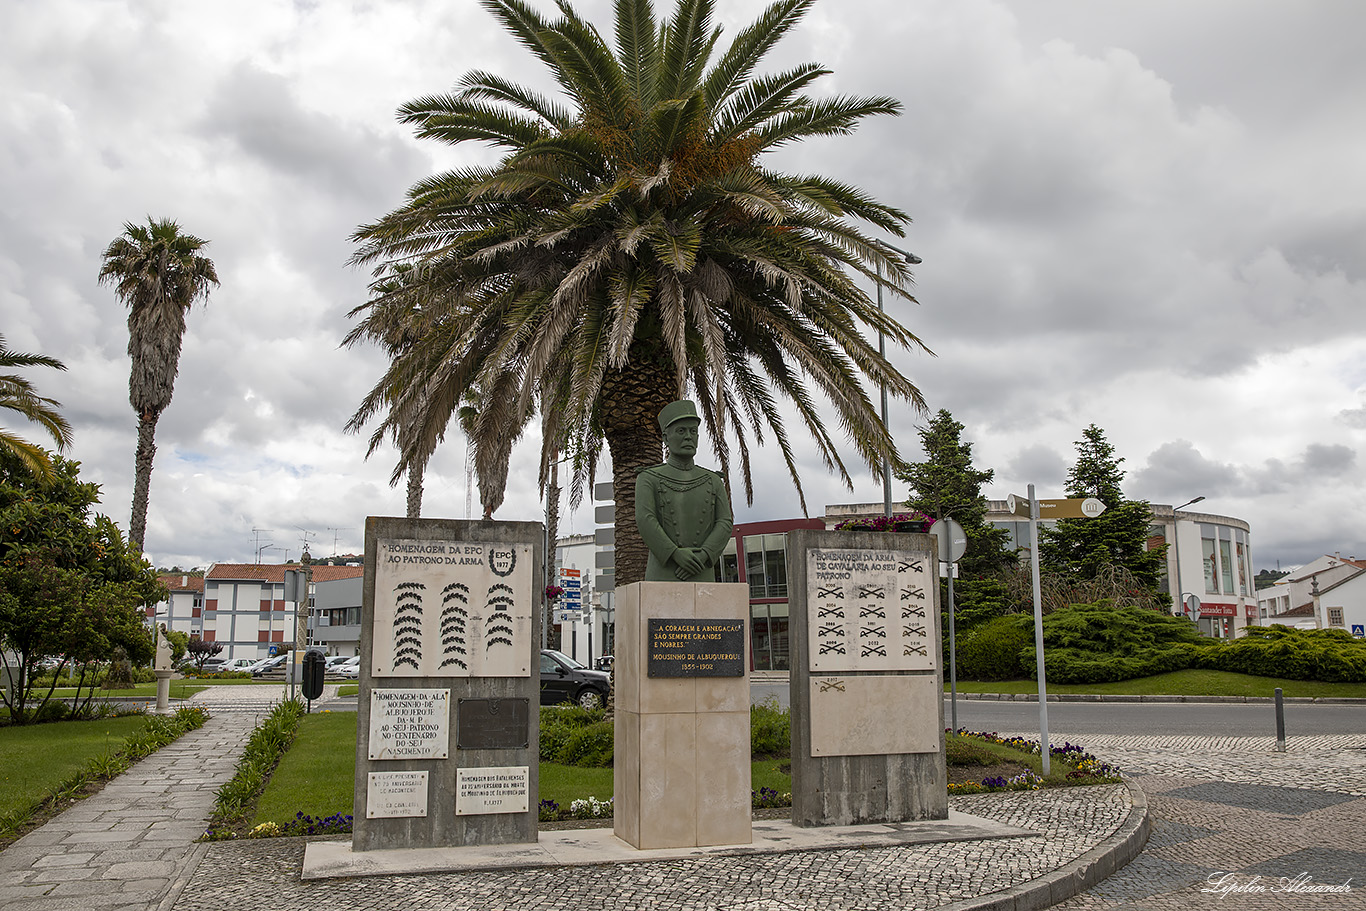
(1330, 655)
(991, 650)
(1100, 643)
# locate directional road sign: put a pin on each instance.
(1073, 508)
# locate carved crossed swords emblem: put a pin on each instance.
(874, 649)
(871, 591)
(831, 612)
(873, 610)
(911, 565)
(832, 629)
(834, 591)
(828, 647)
(828, 685)
(907, 612)
(878, 631)
(916, 650)
(913, 630)
(912, 591)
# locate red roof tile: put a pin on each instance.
(275, 572)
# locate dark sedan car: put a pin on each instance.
(565, 680)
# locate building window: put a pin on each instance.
(728, 567)
(769, 636)
(1226, 565)
(766, 565)
(1242, 565)
(1335, 616)
(1211, 564)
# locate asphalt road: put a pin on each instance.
(1226, 720)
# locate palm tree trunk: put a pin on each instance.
(415, 474)
(142, 477)
(633, 399)
(552, 531)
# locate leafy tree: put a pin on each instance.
(630, 248)
(948, 486)
(201, 650)
(179, 643)
(18, 395)
(1084, 548)
(70, 586)
(158, 273)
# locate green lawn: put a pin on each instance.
(35, 759)
(317, 775)
(1176, 683)
(180, 689)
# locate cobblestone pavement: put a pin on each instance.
(124, 848)
(1237, 825)
(1220, 804)
(264, 874)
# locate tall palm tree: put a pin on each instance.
(630, 248)
(158, 273)
(19, 395)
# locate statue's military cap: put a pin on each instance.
(677, 411)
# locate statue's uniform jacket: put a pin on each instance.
(682, 508)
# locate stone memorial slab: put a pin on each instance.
(492, 724)
(492, 789)
(849, 715)
(452, 609)
(870, 610)
(409, 723)
(695, 648)
(396, 794)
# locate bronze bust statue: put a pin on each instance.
(682, 510)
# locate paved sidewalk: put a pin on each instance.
(124, 848)
(1228, 804)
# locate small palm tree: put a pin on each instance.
(630, 248)
(18, 395)
(158, 273)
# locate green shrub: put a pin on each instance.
(991, 651)
(54, 710)
(770, 730)
(1330, 655)
(563, 737)
(1101, 643)
(590, 745)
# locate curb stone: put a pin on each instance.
(1102, 861)
(1123, 698)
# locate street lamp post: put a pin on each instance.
(1176, 549)
(913, 260)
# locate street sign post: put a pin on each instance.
(952, 544)
(1036, 509)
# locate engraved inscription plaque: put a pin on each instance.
(500, 789)
(696, 648)
(409, 724)
(870, 610)
(396, 794)
(492, 724)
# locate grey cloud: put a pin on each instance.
(1354, 417)
(1040, 465)
(1177, 471)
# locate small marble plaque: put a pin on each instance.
(410, 724)
(392, 794)
(493, 789)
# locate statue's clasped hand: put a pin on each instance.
(690, 561)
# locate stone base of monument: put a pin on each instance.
(163, 690)
(681, 774)
(866, 687)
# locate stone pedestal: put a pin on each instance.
(681, 776)
(866, 685)
(163, 690)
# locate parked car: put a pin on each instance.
(565, 680)
(349, 668)
(603, 663)
(237, 664)
(270, 665)
(334, 663)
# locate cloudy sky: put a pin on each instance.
(1150, 215)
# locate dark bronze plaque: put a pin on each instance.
(696, 648)
(492, 724)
